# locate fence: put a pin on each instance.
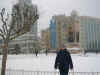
(22, 72)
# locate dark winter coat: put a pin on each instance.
(63, 61)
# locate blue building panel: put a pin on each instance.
(53, 33)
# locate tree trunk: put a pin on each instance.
(4, 58)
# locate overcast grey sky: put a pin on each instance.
(47, 8)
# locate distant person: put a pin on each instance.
(36, 52)
(46, 51)
(63, 62)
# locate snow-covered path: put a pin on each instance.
(88, 63)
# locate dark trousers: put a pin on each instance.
(63, 72)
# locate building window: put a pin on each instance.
(77, 36)
(70, 37)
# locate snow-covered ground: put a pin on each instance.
(88, 63)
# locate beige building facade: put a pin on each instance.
(45, 39)
(67, 30)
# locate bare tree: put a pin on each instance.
(6, 32)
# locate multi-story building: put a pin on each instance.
(90, 33)
(45, 39)
(61, 26)
(64, 30)
(79, 31)
(42, 39)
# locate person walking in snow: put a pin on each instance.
(46, 51)
(36, 52)
(63, 62)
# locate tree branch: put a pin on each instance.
(2, 36)
(1, 31)
(4, 31)
(4, 20)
